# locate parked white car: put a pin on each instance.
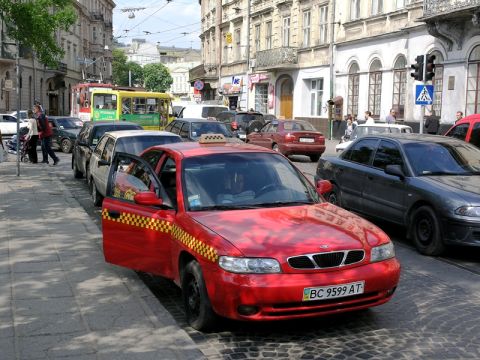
(8, 125)
(379, 128)
(196, 111)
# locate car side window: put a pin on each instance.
(362, 151)
(167, 178)
(475, 135)
(185, 130)
(169, 127)
(459, 131)
(387, 153)
(108, 151)
(101, 146)
(266, 128)
(130, 177)
(176, 127)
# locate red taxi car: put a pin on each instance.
(243, 233)
(467, 129)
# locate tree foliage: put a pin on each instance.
(157, 77)
(34, 24)
(137, 73)
(119, 67)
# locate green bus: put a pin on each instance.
(151, 110)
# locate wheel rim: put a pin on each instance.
(66, 146)
(193, 298)
(425, 230)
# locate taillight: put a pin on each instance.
(321, 140)
(289, 137)
(234, 125)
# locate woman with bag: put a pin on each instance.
(32, 138)
(45, 133)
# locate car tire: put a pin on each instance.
(96, 196)
(77, 174)
(426, 231)
(66, 145)
(315, 157)
(333, 197)
(198, 309)
(88, 177)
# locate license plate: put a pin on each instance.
(307, 140)
(334, 291)
(242, 136)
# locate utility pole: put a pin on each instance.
(18, 106)
(332, 75)
(248, 53)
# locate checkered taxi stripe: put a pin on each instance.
(163, 226)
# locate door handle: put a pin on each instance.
(114, 214)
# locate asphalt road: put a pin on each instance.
(433, 314)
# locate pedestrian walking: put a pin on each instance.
(459, 116)
(432, 124)
(2, 150)
(392, 117)
(368, 118)
(45, 134)
(32, 138)
(348, 131)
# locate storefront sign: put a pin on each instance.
(235, 87)
(256, 78)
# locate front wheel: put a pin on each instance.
(426, 231)
(96, 196)
(198, 309)
(77, 174)
(66, 145)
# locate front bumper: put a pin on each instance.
(279, 296)
(458, 232)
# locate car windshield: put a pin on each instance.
(100, 130)
(67, 123)
(429, 158)
(212, 111)
(200, 128)
(231, 181)
(136, 144)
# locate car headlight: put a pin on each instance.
(382, 252)
(249, 265)
(473, 211)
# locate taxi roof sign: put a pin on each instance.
(212, 139)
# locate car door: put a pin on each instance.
(256, 138)
(350, 173)
(459, 132)
(384, 197)
(103, 170)
(82, 150)
(136, 235)
(95, 158)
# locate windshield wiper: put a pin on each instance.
(286, 203)
(223, 207)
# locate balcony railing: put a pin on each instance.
(438, 7)
(277, 58)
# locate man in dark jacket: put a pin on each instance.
(432, 124)
(45, 134)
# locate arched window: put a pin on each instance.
(375, 88)
(437, 83)
(473, 79)
(399, 86)
(353, 82)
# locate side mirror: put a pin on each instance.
(148, 198)
(324, 186)
(395, 170)
(103, 162)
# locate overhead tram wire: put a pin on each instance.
(157, 32)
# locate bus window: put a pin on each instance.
(126, 106)
(105, 101)
(139, 105)
(152, 106)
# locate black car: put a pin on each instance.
(192, 129)
(242, 123)
(65, 132)
(430, 184)
(88, 138)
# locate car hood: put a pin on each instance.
(73, 132)
(289, 231)
(470, 184)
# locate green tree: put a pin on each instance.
(137, 73)
(119, 67)
(157, 77)
(34, 24)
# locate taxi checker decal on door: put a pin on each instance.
(164, 226)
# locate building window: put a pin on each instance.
(316, 96)
(353, 82)
(323, 20)
(261, 98)
(473, 82)
(268, 35)
(257, 37)
(399, 86)
(377, 7)
(306, 28)
(354, 9)
(238, 48)
(286, 31)
(375, 88)
(438, 84)
(401, 3)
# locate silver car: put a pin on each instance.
(127, 141)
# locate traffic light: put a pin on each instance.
(417, 74)
(429, 67)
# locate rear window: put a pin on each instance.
(298, 126)
(100, 130)
(135, 145)
(200, 128)
(212, 111)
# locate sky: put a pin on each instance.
(171, 23)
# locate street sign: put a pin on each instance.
(424, 95)
(198, 85)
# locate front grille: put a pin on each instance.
(326, 260)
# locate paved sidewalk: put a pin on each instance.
(58, 298)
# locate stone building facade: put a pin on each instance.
(87, 57)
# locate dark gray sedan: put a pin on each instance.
(429, 184)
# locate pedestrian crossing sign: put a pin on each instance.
(424, 95)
